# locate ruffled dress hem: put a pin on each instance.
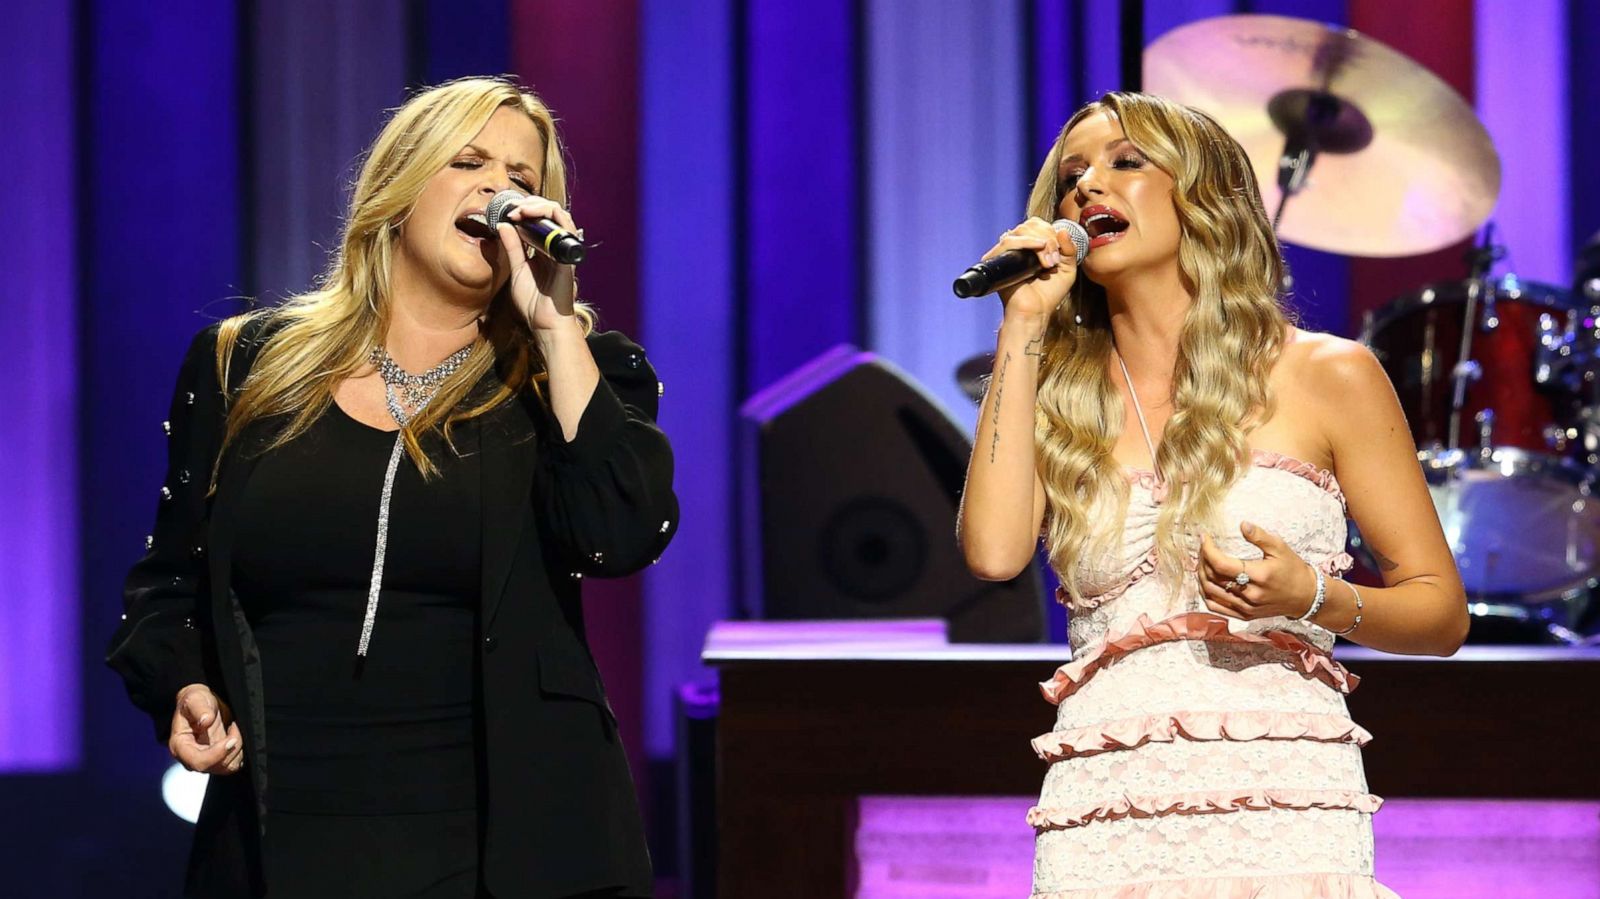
(1285, 886)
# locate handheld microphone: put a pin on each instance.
(1013, 264)
(542, 233)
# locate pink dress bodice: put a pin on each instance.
(1295, 500)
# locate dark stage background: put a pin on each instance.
(160, 161)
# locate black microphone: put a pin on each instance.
(1013, 264)
(542, 233)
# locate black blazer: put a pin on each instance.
(561, 815)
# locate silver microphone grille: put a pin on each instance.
(1080, 237)
(498, 205)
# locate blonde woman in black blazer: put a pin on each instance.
(360, 609)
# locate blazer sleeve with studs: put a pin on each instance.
(159, 646)
(606, 496)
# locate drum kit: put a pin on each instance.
(1499, 378)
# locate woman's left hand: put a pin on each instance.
(541, 287)
(1280, 583)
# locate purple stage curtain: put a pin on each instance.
(40, 592)
(584, 62)
(1521, 85)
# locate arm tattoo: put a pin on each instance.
(1384, 562)
(1035, 347)
(999, 390)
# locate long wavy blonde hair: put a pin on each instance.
(1232, 335)
(320, 337)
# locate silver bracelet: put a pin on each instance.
(1359, 606)
(1322, 595)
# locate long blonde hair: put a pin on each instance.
(327, 334)
(1232, 335)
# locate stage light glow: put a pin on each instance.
(183, 790)
(975, 847)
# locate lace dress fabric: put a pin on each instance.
(1195, 755)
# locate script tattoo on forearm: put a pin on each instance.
(999, 391)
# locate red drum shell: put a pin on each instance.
(1418, 340)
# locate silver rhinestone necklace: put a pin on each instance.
(406, 395)
(408, 391)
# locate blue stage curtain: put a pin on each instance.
(687, 260)
(322, 79)
(947, 170)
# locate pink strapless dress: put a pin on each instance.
(1200, 756)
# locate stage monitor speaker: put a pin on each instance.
(851, 478)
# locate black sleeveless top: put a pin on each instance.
(392, 732)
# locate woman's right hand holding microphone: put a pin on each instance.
(1034, 299)
(205, 738)
(1004, 500)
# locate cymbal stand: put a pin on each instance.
(1312, 122)
(1294, 165)
(1467, 371)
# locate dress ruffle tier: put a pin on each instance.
(1286, 886)
(1131, 733)
(1204, 626)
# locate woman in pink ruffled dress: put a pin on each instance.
(1190, 457)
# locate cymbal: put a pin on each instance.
(1405, 166)
(973, 375)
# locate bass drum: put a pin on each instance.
(1525, 532)
(1514, 500)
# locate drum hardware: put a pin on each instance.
(1485, 420)
(1313, 122)
(1468, 370)
(1554, 344)
(1558, 438)
(1463, 373)
(972, 375)
(1508, 622)
(1490, 320)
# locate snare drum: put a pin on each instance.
(1512, 494)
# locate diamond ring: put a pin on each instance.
(1241, 580)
